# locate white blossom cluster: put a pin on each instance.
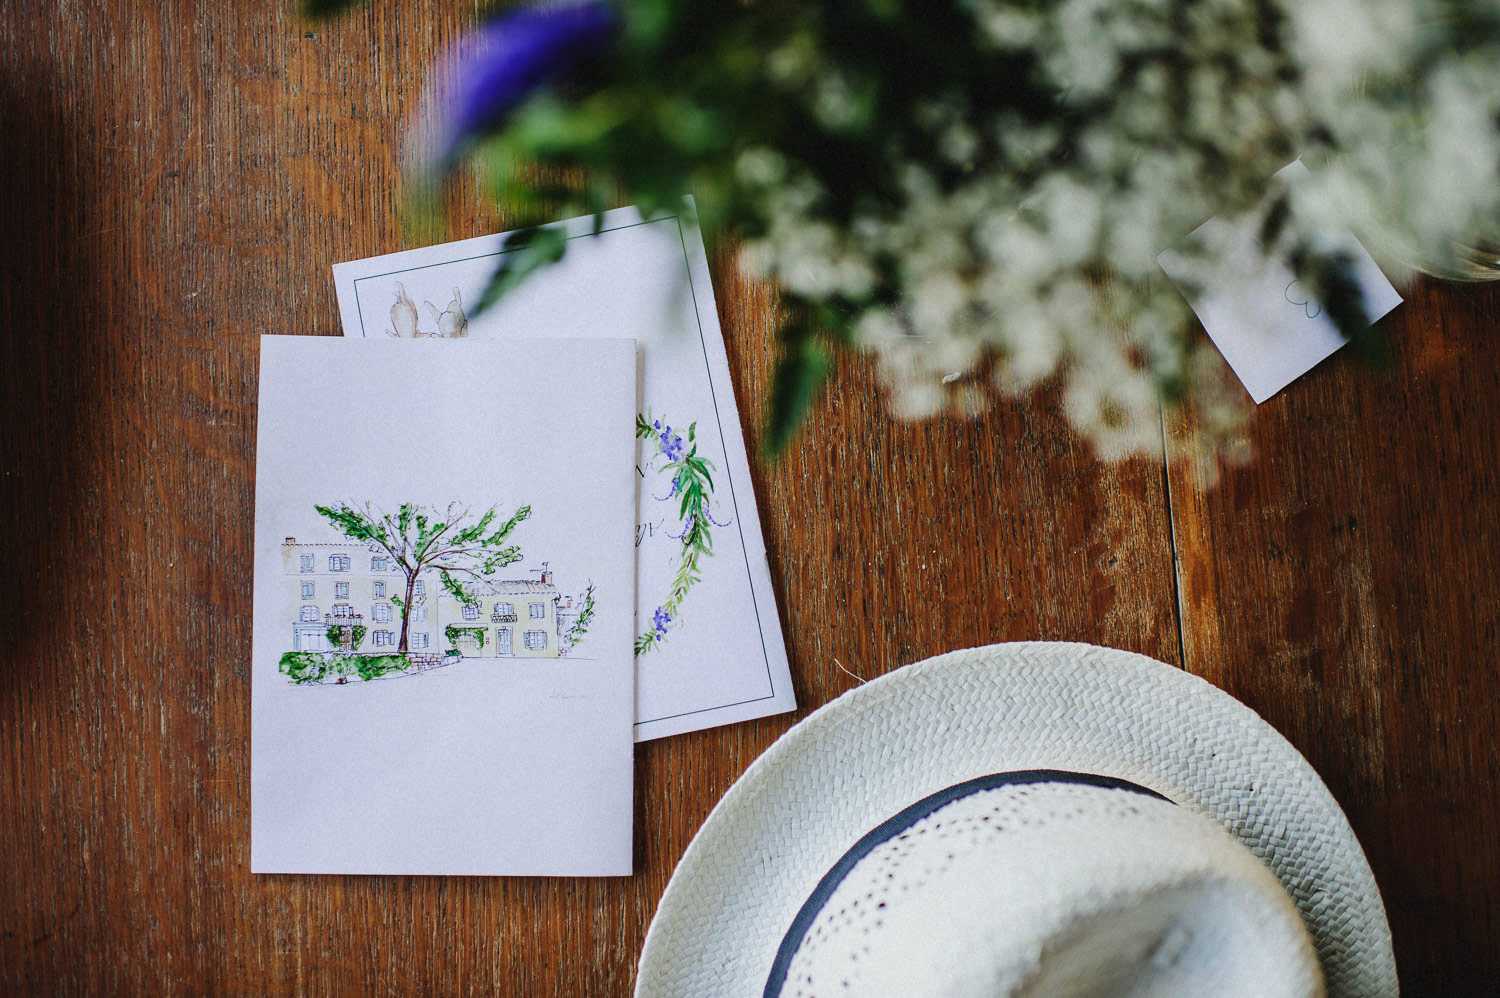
(1040, 261)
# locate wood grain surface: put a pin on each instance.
(177, 179)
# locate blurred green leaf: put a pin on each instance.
(546, 126)
(800, 372)
(1277, 217)
(693, 129)
(524, 252)
(1332, 279)
(1344, 302)
(648, 20)
(326, 8)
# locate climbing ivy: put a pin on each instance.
(452, 631)
(356, 636)
(585, 617)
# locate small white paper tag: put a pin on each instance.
(1267, 325)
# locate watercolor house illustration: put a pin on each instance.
(342, 594)
(504, 618)
(343, 599)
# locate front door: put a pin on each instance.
(502, 641)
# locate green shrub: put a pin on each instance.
(305, 667)
(375, 666)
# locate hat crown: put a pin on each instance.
(1043, 889)
(1009, 707)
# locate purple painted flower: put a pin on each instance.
(687, 524)
(671, 445)
(488, 74)
(661, 619)
(676, 486)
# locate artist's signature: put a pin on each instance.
(645, 530)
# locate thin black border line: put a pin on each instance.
(718, 421)
(739, 521)
(705, 710)
(359, 310)
(899, 822)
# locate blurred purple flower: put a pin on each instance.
(661, 619)
(488, 74)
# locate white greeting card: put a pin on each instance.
(708, 639)
(1263, 320)
(442, 678)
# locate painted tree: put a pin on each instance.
(451, 542)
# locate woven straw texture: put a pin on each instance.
(1018, 888)
(1030, 705)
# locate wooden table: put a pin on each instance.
(178, 178)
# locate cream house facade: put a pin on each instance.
(341, 598)
(504, 618)
(348, 586)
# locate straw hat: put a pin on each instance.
(1024, 819)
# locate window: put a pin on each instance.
(471, 612)
(538, 611)
(384, 638)
(536, 640)
(307, 563)
(380, 590)
(421, 588)
(377, 564)
(418, 640)
(380, 611)
(307, 590)
(342, 610)
(310, 614)
(506, 609)
(341, 590)
(419, 614)
(338, 563)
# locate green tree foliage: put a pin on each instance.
(453, 542)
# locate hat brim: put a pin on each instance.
(1031, 705)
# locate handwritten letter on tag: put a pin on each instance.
(1263, 320)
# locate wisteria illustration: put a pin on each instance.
(692, 489)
